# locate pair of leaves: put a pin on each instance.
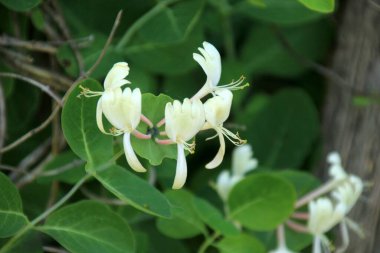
(86, 140)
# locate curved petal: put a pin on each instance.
(99, 116)
(181, 170)
(130, 154)
(317, 245)
(219, 156)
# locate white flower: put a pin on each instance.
(349, 192)
(336, 170)
(116, 76)
(323, 215)
(242, 160)
(209, 60)
(123, 110)
(225, 182)
(182, 123)
(217, 110)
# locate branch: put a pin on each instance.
(45, 88)
(29, 45)
(3, 118)
(108, 42)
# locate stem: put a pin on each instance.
(207, 243)
(300, 215)
(318, 192)
(140, 135)
(161, 122)
(164, 142)
(9, 244)
(141, 21)
(146, 120)
(297, 227)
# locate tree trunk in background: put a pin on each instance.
(355, 131)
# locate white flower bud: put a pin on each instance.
(225, 182)
(242, 160)
(115, 77)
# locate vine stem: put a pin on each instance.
(208, 242)
(140, 22)
(44, 214)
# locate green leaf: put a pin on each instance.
(134, 190)
(38, 19)
(169, 59)
(283, 132)
(89, 227)
(242, 243)
(261, 201)
(185, 222)
(213, 217)
(323, 6)
(20, 5)
(284, 12)
(154, 109)
(12, 218)
(264, 53)
(65, 167)
(80, 129)
(173, 24)
(303, 182)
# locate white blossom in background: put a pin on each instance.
(183, 122)
(243, 160)
(209, 60)
(336, 170)
(281, 249)
(217, 110)
(226, 180)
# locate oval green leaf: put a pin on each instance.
(261, 201)
(20, 5)
(134, 190)
(90, 227)
(80, 129)
(12, 218)
(323, 6)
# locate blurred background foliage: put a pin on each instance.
(275, 44)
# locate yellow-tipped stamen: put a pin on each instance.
(86, 92)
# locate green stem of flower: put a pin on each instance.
(28, 227)
(141, 21)
(208, 242)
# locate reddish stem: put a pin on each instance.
(140, 135)
(161, 122)
(297, 227)
(164, 142)
(300, 215)
(146, 120)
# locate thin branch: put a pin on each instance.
(8, 168)
(62, 169)
(31, 132)
(45, 88)
(38, 46)
(108, 42)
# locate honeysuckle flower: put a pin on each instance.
(349, 192)
(182, 123)
(217, 110)
(225, 182)
(242, 160)
(116, 76)
(209, 60)
(323, 215)
(123, 110)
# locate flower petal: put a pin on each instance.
(317, 245)
(181, 170)
(130, 154)
(118, 72)
(99, 116)
(219, 156)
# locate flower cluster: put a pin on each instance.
(328, 206)
(328, 211)
(183, 120)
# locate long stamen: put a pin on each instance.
(235, 85)
(234, 138)
(86, 92)
(189, 146)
